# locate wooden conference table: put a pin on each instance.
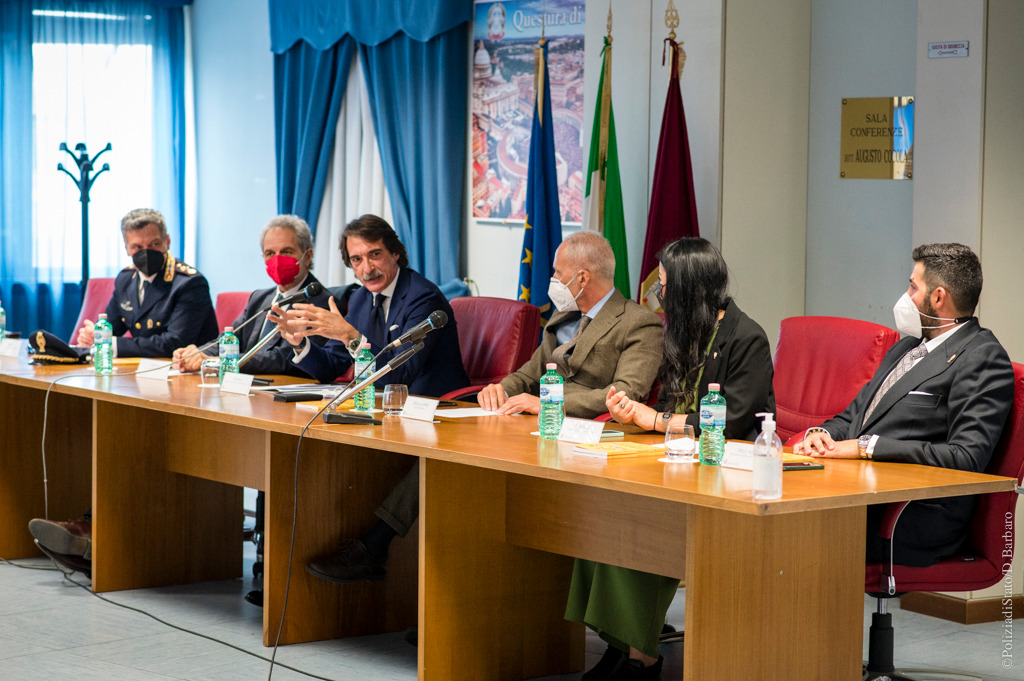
(774, 589)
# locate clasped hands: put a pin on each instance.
(303, 319)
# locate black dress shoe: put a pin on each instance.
(255, 597)
(68, 562)
(634, 670)
(608, 666)
(352, 562)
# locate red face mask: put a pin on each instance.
(282, 269)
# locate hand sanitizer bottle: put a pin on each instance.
(767, 461)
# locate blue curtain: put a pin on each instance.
(309, 86)
(50, 300)
(417, 92)
(416, 62)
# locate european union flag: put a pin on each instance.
(543, 231)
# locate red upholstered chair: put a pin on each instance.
(229, 306)
(981, 562)
(820, 364)
(496, 336)
(97, 295)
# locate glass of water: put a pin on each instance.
(394, 398)
(209, 371)
(680, 444)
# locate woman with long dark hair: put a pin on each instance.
(708, 339)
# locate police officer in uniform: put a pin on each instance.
(163, 302)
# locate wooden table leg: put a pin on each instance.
(339, 489)
(68, 463)
(774, 598)
(153, 527)
(488, 609)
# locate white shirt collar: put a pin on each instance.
(934, 343)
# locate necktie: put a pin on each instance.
(563, 352)
(905, 364)
(267, 325)
(378, 332)
(142, 290)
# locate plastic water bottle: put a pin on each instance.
(767, 461)
(364, 399)
(103, 346)
(3, 323)
(712, 426)
(227, 348)
(552, 399)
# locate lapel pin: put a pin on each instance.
(951, 358)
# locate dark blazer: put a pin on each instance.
(621, 346)
(176, 311)
(947, 411)
(741, 362)
(433, 371)
(276, 356)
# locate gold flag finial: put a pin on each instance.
(609, 20)
(671, 20)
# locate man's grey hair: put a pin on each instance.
(296, 226)
(140, 218)
(590, 251)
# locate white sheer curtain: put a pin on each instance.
(355, 180)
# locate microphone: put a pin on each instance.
(436, 320)
(403, 357)
(311, 291)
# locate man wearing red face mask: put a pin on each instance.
(287, 246)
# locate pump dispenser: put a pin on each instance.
(767, 461)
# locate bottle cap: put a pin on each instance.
(228, 329)
(364, 346)
(551, 366)
(103, 315)
(769, 421)
(714, 387)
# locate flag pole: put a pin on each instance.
(606, 108)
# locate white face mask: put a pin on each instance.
(561, 296)
(908, 318)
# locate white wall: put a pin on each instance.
(234, 91)
(858, 231)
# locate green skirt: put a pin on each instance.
(625, 607)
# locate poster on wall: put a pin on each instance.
(504, 35)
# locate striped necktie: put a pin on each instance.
(905, 364)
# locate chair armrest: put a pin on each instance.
(463, 392)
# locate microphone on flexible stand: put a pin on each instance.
(303, 296)
(436, 320)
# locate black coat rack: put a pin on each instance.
(84, 183)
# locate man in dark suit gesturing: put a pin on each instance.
(392, 300)
(939, 398)
(287, 247)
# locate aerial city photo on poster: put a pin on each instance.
(504, 35)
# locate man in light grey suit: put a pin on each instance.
(597, 338)
(939, 398)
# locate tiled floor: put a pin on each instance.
(51, 629)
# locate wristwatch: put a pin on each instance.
(862, 446)
(665, 417)
(353, 345)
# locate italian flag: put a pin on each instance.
(602, 203)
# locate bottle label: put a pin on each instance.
(229, 350)
(554, 392)
(103, 336)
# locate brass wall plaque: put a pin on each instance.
(877, 140)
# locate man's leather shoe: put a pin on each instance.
(350, 563)
(634, 670)
(70, 563)
(255, 597)
(69, 538)
(607, 667)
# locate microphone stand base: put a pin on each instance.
(351, 418)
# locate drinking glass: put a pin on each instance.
(209, 371)
(680, 444)
(394, 398)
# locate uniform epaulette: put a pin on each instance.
(182, 268)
